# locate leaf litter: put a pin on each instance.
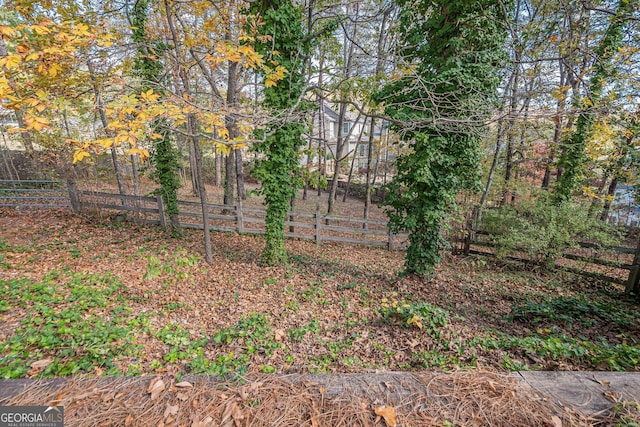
(322, 311)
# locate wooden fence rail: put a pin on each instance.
(37, 193)
(316, 226)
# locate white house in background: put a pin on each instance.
(624, 209)
(9, 141)
(325, 136)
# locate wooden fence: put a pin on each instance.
(36, 193)
(238, 218)
(614, 264)
(316, 226)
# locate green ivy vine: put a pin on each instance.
(280, 141)
(440, 110)
(164, 156)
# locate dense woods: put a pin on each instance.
(458, 183)
(453, 107)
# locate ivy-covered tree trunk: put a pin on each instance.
(440, 109)
(282, 139)
(572, 156)
(164, 156)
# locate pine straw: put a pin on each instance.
(475, 398)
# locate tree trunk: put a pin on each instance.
(368, 187)
(242, 195)
(229, 169)
(193, 129)
(231, 122)
(218, 163)
(309, 159)
(348, 50)
(382, 37)
(322, 141)
(134, 175)
(353, 161)
(492, 170)
(611, 191)
(105, 123)
(511, 122)
(557, 129)
(193, 166)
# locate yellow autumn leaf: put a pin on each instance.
(10, 61)
(53, 70)
(144, 154)
(223, 133)
(79, 155)
(149, 96)
(36, 123)
(222, 148)
(7, 32)
(389, 415)
(41, 29)
(105, 142)
(415, 320)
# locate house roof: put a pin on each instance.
(330, 112)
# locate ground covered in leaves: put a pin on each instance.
(88, 296)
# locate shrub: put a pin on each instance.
(544, 230)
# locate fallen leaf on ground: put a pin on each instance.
(156, 386)
(41, 364)
(171, 410)
(128, 421)
(389, 415)
(184, 384)
(232, 413)
(207, 422)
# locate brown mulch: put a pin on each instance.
(473, 398)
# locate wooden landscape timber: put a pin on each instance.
(400, 398)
